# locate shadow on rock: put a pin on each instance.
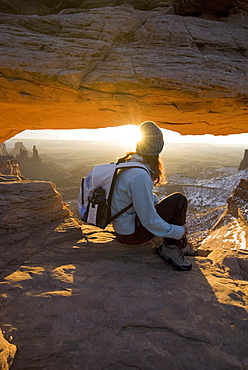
(93, 303)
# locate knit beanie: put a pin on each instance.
(151, 142)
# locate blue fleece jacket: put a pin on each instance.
(134, 185)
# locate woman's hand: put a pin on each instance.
(185, 229)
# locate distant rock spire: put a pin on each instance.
(35, 157)
(3, 149)
(18, 146)
(244, 163)
(23, 155)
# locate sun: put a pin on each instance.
(128, 135)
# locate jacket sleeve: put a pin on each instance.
(155, 198)
(141, 189)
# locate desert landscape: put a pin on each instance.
(66, 162)
(71, 296)
(205, 173)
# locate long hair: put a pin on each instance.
(153, 161)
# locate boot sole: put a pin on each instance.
(169, 260)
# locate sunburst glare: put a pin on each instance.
(128, 135)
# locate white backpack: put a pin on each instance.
(96, 190)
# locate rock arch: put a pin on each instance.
(178, 63)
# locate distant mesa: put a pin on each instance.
(31, 165)
(244, 163)
(22, 164)
(23, 154)
(18, 146)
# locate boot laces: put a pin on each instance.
(180, 253)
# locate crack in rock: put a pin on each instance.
(146, 328)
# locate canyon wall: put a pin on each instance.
(182, 64)
(8, 163)
(244, 162)
(231, 230)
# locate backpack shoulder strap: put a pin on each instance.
(120, 212)
(120, 166)
(132, 165)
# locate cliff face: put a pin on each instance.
(9, 165)
(182, 64)
(244, 162)
(3, 149)
(231, 230)
(237, 204)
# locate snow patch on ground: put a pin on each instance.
(203, 193)
(236, 235)
(230, 236)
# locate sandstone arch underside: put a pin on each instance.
(90, 67)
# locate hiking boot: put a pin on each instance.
(189, 250)
(174, 255)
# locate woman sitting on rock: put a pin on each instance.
(149, 217)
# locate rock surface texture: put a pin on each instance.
(3, 149)
(182, 64)
(91, 303)
(73, 298)
(7, 353)
(9, 165)
(26, 205)
(181, 7)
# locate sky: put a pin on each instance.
(128, 134)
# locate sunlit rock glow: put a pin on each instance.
(118, 65)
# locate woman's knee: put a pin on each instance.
(180, 197)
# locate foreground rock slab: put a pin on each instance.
(7, 353)
(92, 303)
